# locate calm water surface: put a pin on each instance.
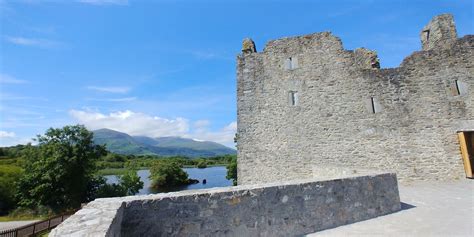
(215, 177)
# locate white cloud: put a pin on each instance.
(224, 136)
(7, 79)
(104, 2)
(111, 89)
(132, 123)
(13, 141)
(201, 124)
(141, 124)
(5, 134)
(35, 42)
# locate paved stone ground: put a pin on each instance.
(429, 209)
(5, 225)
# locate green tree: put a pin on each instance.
(101, 189)
(168, 174)
(60, 172)
(131, 182)
(202, 164)
(9, 175)
(112, 157)
(232, 170)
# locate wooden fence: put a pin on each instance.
(34, 229)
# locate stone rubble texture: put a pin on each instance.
(248, 46)
(413, 132)
(440, 32)
(290, 208)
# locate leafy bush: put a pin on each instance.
(31, 213)
(232, 170)
(9, 175)
(168, 174)
(202, 164)
(112, 157)
(129, 184)
(110, 190)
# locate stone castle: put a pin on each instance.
(306, 102)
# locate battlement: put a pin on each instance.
(439, 33)
(316, 44)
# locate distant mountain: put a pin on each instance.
(120, 143)
(123, 143)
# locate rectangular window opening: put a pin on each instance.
(293, 96)
(291, 63)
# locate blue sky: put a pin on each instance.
(167, 68)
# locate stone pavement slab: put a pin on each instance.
(428, 209)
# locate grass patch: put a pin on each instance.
(26, 214)
(112, 171)
(20, 218)
(45, 234)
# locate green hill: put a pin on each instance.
(123, 143)
(120, 143)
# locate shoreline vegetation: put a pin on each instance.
(121, 171)
(65, 169)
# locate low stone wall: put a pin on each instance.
(280, 209)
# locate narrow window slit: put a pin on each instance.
(457, 87)
(427, 34)
(293, 96)
(373, 104)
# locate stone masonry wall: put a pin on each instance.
(281, 209)
(418, 107)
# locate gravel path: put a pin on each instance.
(429, 209)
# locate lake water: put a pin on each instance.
(215, 177)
